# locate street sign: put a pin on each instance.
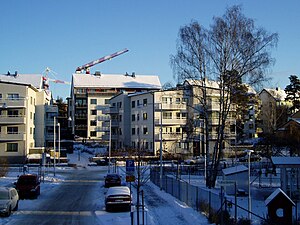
(130, 165)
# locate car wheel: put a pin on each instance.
(17, 206)
(8, 212)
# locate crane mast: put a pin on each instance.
(86, 67)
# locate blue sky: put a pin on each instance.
(65, 34)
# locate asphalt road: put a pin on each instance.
(77, 200)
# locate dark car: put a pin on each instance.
(118, 198)
(28, 186)
(112, 179)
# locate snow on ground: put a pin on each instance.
(163, 209)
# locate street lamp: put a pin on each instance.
(160, 149)
(54, 143)
(248, 151)
(58, 124)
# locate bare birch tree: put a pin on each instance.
(231, 52)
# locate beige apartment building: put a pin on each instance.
(89, 99)
(22, 109)
(274, 109)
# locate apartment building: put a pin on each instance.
(147, 121)
(22, 109)
(90, 95)
(274, 109)
(211, 106)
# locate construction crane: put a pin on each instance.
(86, 67)
(46, 78)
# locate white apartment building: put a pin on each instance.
(90, 95)
(22, 110)
(147, 121)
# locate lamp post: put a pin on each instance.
(109, 144)
(160, 149)
(54, 143)
(58, 124)
(248, 151)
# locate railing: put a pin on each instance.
(12, 136)
(170, 136)
(13, 103)
(11, 119)
(170, 121)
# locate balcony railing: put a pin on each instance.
(170, 121)
(13, 103)
(167, 106)
(12, 136)
(171, 136)
(7, 119)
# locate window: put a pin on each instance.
(12, 130)
(12, 147)
(120, 118)
(0, 96)
(144, 101)
(12, 113)
(177, 100)
(164, 100)
(138, 103)
(133, 117)
(93, 101)
(93, 112)
(138, 117)
(177, 130)
(133, 131)
(13, 96)
(146, 145)
(133, 144)
(119, 104)
(30, 130)
(31, 100)
(133, 104)
(183, 115)
(167, 115)
(145, 116)
(93, 133)
(177, 115)
(31, 115)
(106, 101)
(120, 131)
(138, 131)
(145, 130)
(93, 123)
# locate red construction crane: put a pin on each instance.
(46, 78)
(86, 67)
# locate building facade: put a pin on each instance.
(90, 96)
(22, 110)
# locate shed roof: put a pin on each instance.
(284, 161)
(274, 194)
(116, 81)
(234, 170)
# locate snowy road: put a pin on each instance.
(76, 196)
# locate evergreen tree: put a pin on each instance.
(293, 93)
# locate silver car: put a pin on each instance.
(118, 198)
(9, 200)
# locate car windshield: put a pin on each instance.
(4, 195)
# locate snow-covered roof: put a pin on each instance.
(208, 83)
(274, 194)
(116, 81)
(285, 161)
(234, 169)
(36, 80)
(277, 93)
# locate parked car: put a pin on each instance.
(9, 200)
(118, 198)
(194, 160)
(112, 179)
(28, 185)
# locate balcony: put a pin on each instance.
(80, 116)
(102, 129)
(172, 106)
(13, 103)
(171, 136)
(80, 127)
(12, 136)
(18, 119)
(170, 121)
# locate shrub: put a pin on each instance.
(3, 167)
